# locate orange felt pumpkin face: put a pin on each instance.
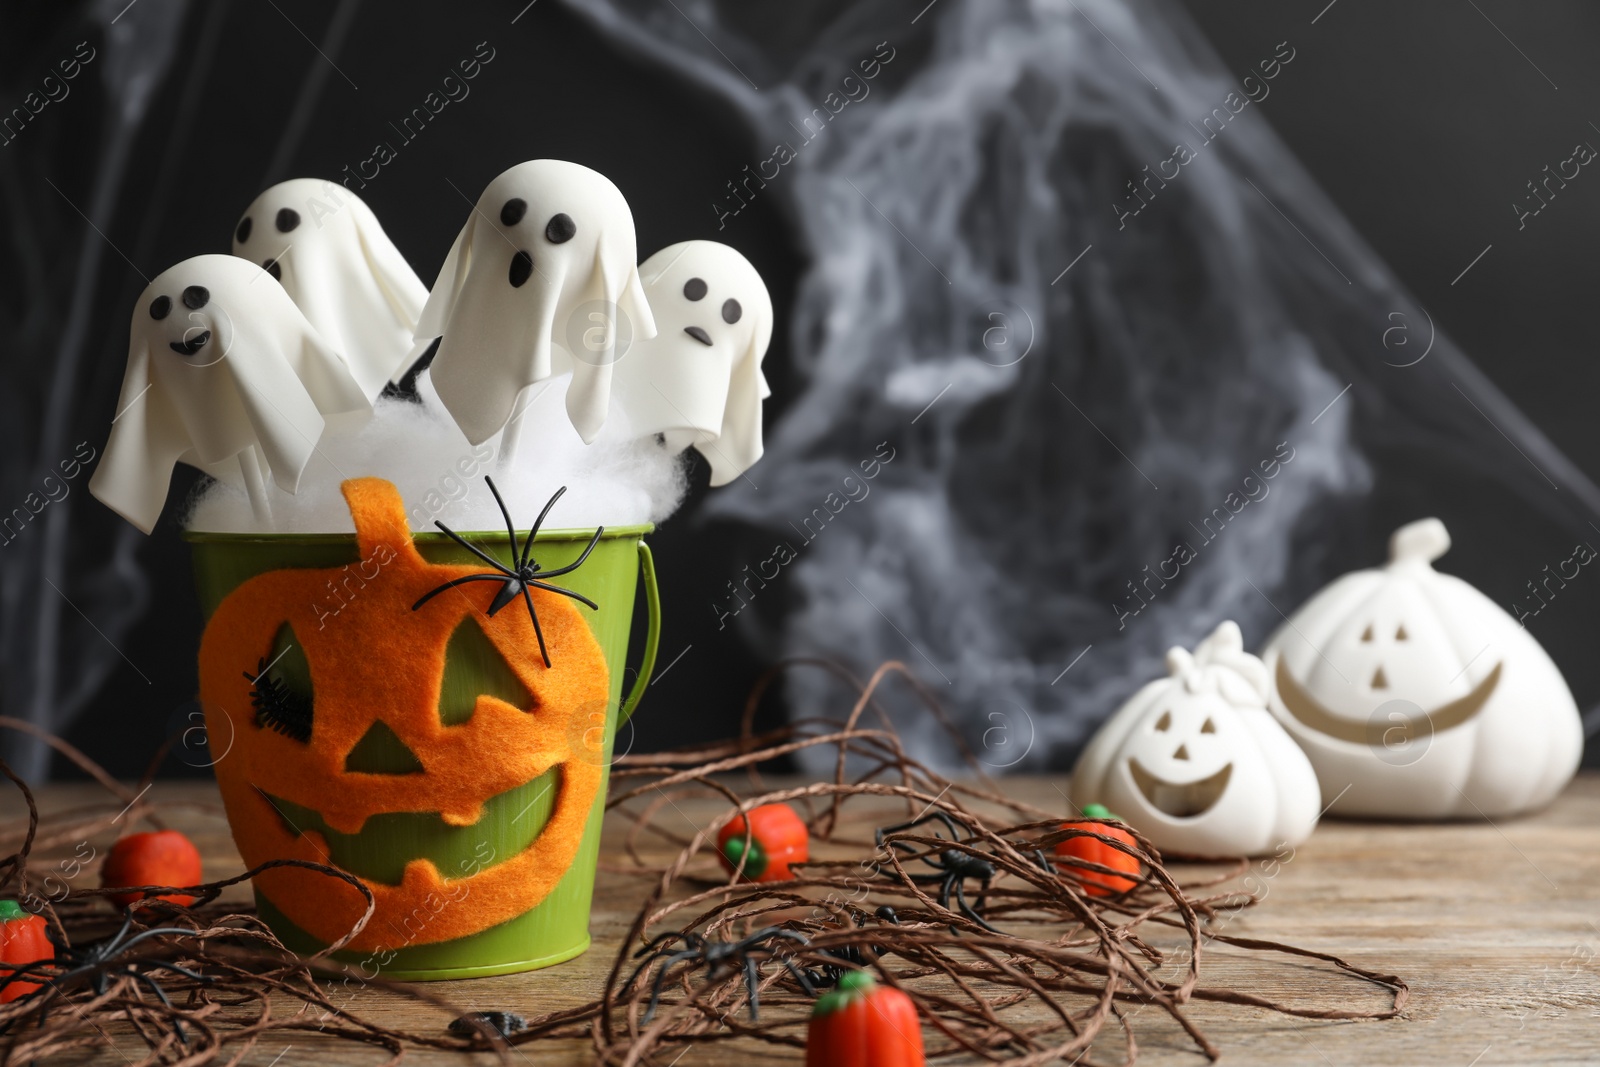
(376, 675)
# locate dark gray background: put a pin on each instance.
(1421, 120)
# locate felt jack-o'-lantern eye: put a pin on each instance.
(346, 723)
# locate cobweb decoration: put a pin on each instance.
(1069, 391)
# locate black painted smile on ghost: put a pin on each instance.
(194, 298)
(694, 290)
(190, 347)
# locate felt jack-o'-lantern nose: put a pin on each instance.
(344, 722)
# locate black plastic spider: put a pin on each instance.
(501, 1023)
(277, 706)
(99, 963)
(953, 865)
(526, 573)
(719, 958)
(849, 957)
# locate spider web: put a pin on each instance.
(1168, 354)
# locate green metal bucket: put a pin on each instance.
(557, 929)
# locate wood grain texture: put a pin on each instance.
(1495, 925)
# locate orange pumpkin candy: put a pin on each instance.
(376, 675)
(863, 1024)
(22, 941)
(1094, 850)
(163, 857)
(777, 838)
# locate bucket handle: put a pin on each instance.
(652, 641)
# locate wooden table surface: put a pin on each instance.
(1495, 925)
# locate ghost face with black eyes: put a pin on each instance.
(546, 259)
(223, 371)
(324, 245)
(698, 381)
(285, 220)
(193, 332)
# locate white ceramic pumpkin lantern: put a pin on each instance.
(1197, 764)
(1416, 696)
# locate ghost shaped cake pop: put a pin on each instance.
(698, 381)
(1416, 696)
(225, 374)
(325, 246)
(1197, 764)
(548, 257)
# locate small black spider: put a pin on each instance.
(954, 866)
(719, 958)
(474, 1023)
(277, 706)
(515, 581)
(849, 957)
(99, 963)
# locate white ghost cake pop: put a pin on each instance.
(548, 256)
(698, 381)
(325, 246)
(1197, 764)
(1416, 696)
(224, 373)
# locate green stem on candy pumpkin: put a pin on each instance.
(756, 865)
(1100, 811)
(852, 987)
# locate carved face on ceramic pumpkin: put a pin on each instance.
(379, 735)
(1414, 695)
(1178, 758)
(1195, 763)
(1390, 647)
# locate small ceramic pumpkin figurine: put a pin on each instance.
(1197, 763)
(864, 1024)
(1416, 696)
(777, 838)
(22, 941)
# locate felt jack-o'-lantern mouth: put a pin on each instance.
(367, 854)
(376, 738)
(1311, 714)
(1181, 800)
